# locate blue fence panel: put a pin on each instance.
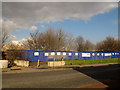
(45, 56)
(73, 55)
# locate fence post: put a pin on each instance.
(96, 58)
(53, 62)
(62, 58)
(110, 58)
(38, 64)
(47, 62)
(92, 59)
(72, 58)
(62, 61)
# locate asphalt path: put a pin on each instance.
(62, 78)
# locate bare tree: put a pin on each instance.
(32, 42)
(70, 42)
(80, 43)
(118, 47)
(61, 39)
(108, 45)
(3, 38)
(48, 40)
(41, 41)
(99, 46)
(88, 46)
(34, 37)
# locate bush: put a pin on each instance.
(15, 55)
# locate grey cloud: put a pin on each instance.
(25, 14)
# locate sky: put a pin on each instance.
(92, 20)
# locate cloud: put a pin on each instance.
(18, 42)
(117, 38)
(42, 26)
(15, 42)
(25, 14)
(12, 26)
(9, 25)
(33, 28)
(12, 36)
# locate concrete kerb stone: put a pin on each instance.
(90, 65)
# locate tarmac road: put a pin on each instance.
(78, 77)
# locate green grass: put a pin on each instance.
(91, 61)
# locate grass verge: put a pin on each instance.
(91, 61)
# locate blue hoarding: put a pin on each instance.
(45, 56)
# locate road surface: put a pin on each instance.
(75, 78)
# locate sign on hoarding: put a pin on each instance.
(36, 53)
(98, 54)
(76, 54)
(93, 54)
(69, 54)
(52, 53)
(107, 54)
(85, 54)
(46, 54)
(64, 53)
(58, 53)
(102, 54)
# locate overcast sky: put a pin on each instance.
(92, 20)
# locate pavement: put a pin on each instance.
(29, 69)
(17, 69)
(78, 77)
